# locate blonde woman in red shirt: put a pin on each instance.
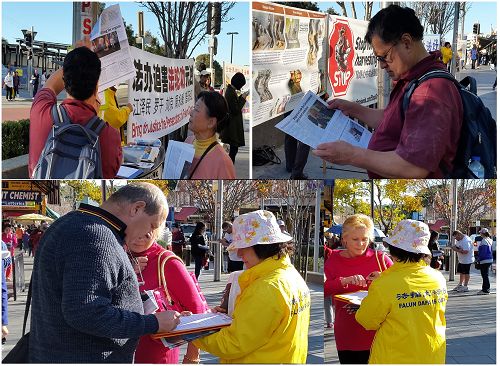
(351, 270)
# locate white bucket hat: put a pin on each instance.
(257, 227)
(410, 235)
(484, 231)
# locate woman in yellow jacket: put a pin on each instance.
(111, 113)
(406, 304)
(271, 314)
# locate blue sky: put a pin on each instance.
(53, 22)
(480, 11)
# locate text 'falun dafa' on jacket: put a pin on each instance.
(270, 320)
(406, 306)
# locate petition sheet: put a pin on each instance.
(178, 160)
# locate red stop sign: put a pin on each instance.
(340, 64)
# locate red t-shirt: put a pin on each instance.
(430, 130)
(79, 112)
(183, 292)
(349, 334)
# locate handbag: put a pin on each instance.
(201, 158)
(163, 283)
(264, 155)
(20, 352)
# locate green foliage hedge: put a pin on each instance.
(15, 138)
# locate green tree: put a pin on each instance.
(205, 58)
(153, 46)
(83, 188)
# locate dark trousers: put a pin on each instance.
(8, 92)
(485, 268)
(198, 260)
(35, 89)
(473, 64)
(233, 150)
(296, 154)
(234, 266)
(354, 357)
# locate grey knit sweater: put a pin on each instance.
(86, 306)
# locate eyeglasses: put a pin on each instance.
(384, 58)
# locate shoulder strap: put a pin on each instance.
(96, 124)
(59, 115)
(202, 156)
(378, 261)
(412, 85)
(161, 272)
(27, 309)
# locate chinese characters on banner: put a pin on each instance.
(228, 71)
(288, 58)
(432, 42)
(352, 66)
(162, 93)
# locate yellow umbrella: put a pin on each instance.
(33, 217)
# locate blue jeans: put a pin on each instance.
(485, 268)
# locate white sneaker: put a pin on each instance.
(463, 289)
(457, 287)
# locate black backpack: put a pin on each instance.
(72, 151)
(478, 135)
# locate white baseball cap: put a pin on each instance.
(410, 235)
(257, 227)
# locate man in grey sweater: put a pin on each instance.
(86, 306)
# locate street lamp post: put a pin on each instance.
(32, 35)
(232, 34)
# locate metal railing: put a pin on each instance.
(18, 283)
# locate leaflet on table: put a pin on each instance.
(178, 159)
(137, 153)
(313, 123)
(128, 173)
(196, 323)
(354, 298)
(110, 43)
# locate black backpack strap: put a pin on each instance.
(202, 156)
(27, 309)
(412, 85)
(96, 124)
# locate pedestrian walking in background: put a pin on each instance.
(465, 252)
(485, 259)
(199, 249)
(166, 275)
(6, 263)
(271, 314)
(235, 262)
(473, 56)
(16, 82)
(35, 80)
(9, 84)
(178, 240)
(26, 242)
(43, 78)
(406, 304)
(233, 134)
(351, 270)
(86, 306)
(9, 238)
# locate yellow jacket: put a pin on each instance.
(406, 307)
(446, 54)
(109, 111)
(270, 319)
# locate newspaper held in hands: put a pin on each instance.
(313, 123)
(178, 159)
(109, 41)
(354, 298)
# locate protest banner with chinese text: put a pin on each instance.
(162, 94)
(288, 58)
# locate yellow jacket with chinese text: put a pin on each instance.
(406, 306)
(270, 319)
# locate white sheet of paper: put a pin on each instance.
(355, 297)
(207, 320)
(178, 159)
(126, 171)
(312, 123)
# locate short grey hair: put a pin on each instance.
(155, 199)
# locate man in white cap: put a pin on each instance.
(406, 303)
(465, 252)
